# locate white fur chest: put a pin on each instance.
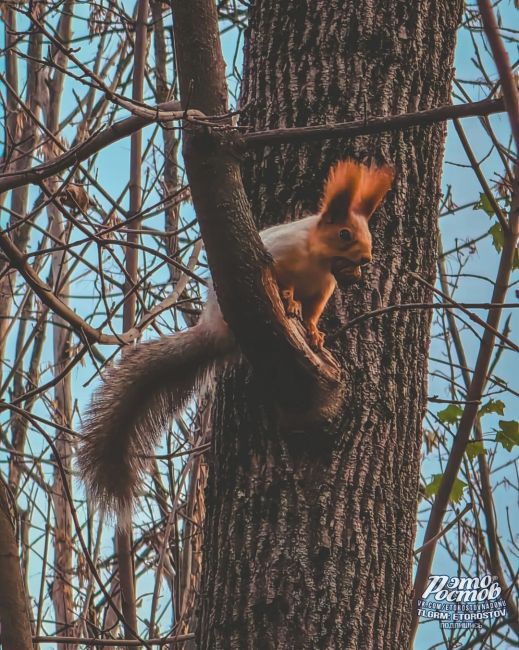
(295, 264)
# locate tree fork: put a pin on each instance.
(304, 384)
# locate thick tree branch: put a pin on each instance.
(374, 125)
(170, 111)
(240, 267)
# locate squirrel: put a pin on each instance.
(311, 256)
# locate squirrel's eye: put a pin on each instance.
(345, 235)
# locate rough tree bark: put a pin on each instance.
(15, 624)
(309, 537)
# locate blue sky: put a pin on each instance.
(113, 166)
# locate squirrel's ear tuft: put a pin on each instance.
(375, 184)
(340, 190)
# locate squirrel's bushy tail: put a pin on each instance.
(134, 405)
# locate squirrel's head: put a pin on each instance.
(352, 193)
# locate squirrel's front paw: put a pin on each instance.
(315, 337)
(293, 307)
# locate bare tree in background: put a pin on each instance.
(309, 535)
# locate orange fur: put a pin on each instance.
(375, 184)
(334, 248)
(340, 189)
(354, 186)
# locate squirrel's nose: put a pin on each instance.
(365, 260)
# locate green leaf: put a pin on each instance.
(508, 434)
(432, 488)
(457, 489)
(492, 406)
(475, 448)
(451, 414)
(498, 238)
(484, 204)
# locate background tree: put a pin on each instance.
(310, 533)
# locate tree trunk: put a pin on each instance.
(309, 537)
(15, 625)
(124, 542)
(62, 592)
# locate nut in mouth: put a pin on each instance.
(345, 271)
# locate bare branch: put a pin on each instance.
(502, 61)
(126, 127)
(374, 124)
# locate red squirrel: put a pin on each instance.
(153, 380)
(312, 254)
